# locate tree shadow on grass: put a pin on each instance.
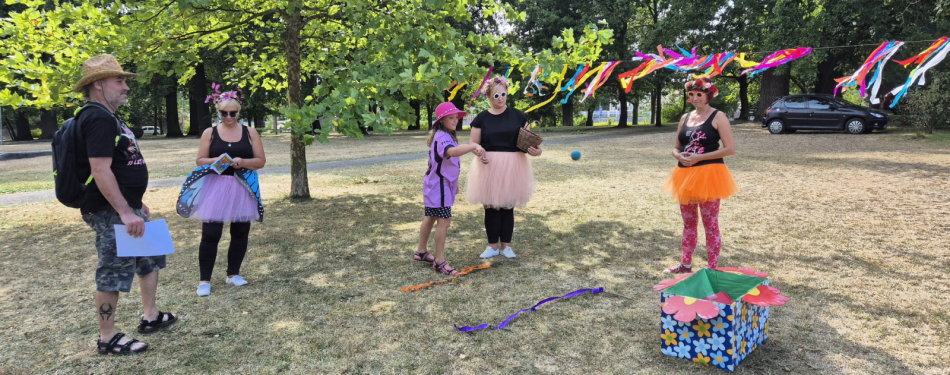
(325, 297)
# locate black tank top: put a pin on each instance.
(240, 149)
(701, 139)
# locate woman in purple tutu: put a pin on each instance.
(230, 195)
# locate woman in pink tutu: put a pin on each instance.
(501, 179)
(231, 196)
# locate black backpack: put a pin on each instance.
(70, 185)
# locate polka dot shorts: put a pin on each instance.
(443, 212)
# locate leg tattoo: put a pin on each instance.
(105, 311)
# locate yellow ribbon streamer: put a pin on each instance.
(554, 95)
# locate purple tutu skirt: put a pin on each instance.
(223, 199)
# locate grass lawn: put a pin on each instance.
(852, 228)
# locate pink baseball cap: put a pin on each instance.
(446, 109)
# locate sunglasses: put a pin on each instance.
(226, 113)
(500, 95)
(696, 94)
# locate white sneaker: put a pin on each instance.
(236, 280)
(204, 290)
(508, 252)
(489, 252)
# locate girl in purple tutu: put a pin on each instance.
(229, 196)
(441, 184)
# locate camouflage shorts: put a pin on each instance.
(113, 273)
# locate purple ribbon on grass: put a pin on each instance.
(533, 308)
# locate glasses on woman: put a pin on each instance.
(500, 95)
(226, 113)
(696, 94)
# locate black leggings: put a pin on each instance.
(499, 223)
(208, 249)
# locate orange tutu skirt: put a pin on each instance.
(507, 181)
(705, 183)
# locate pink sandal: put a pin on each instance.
(424, 257)
(444, 268)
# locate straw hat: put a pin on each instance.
(99, 67)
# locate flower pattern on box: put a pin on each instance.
(720, 335)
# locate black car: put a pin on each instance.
(821, 112)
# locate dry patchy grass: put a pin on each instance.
(852, 228)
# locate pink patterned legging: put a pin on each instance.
(710, 212)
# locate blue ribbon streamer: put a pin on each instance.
(533, 308)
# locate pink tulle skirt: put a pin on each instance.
(507, 181)
(223, 199)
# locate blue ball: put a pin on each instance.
(576, 155)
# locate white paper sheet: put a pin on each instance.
(157, 240)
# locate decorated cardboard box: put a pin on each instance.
(716, 317)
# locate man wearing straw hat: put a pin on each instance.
(119, 178)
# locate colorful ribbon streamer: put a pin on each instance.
(745, 63)
(533, 308)
(464, 271)
(479, 91)
(599, 80)
(877, 58)
(925, 60)
(586, 75)
(554, 96)
(778, 58)
(534, 83)
(572, 84)
(454, 91)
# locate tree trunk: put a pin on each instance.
(652, 106)
(429, 115)
(155, 119)
(623, 108)
(23, 127)
(590, 115)
(47, 123)
(685, 94)
(172, 127)
(774, 85)
(621, 44)
(197, 94)
(827, 72)
(299, 185)
(259, 122)
(567, 114)
(417, 106)
(659, 104)
(636, 110)
(743, 97)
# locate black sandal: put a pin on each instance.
(146, 327)
(124, 349)
(424, 257)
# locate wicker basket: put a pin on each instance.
(528, 139)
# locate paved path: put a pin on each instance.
(48, 195)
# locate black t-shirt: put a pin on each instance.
(240, 149)
(101, 132)
(500, 132)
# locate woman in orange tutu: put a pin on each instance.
(502, 178)
(701, 179)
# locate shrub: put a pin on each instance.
(928, 107)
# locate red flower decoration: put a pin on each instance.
(764, 295)
(744, 271)
(670, 282)
(686, 309)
